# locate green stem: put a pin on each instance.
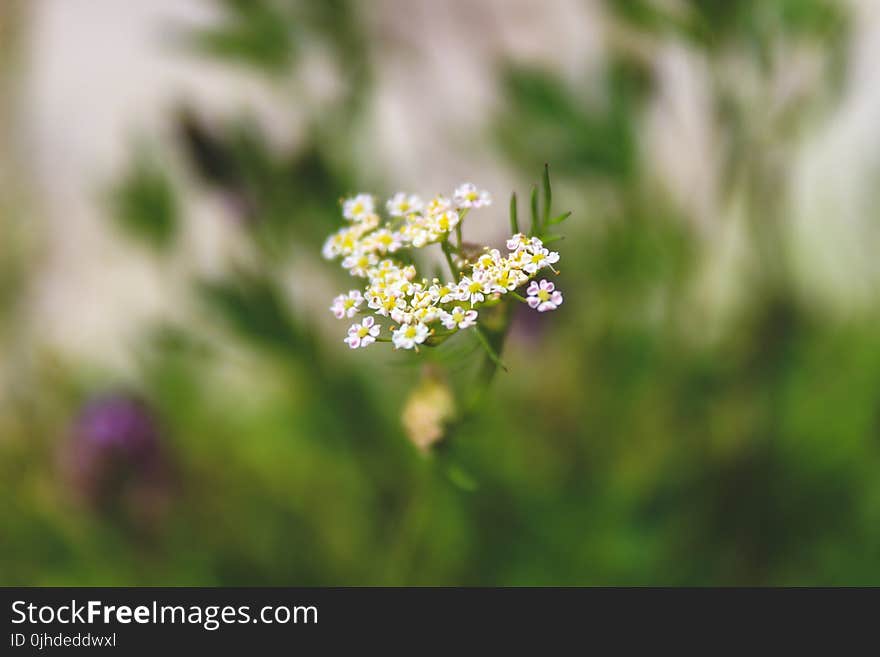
(444, 246)
(461, 216)
(488, 347)
(518, 297)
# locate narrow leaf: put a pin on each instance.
(536, 222)
(559, 219)
(548, 194)
(514, 222)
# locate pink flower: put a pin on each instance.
(544, 296)
(347, 305)
(363, 334)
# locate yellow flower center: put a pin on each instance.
(543, 295)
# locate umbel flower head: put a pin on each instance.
(409, 310)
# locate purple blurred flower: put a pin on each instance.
(118, 423)
(115, 456)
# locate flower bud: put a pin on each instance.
(429, 408)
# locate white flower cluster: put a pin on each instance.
(393, 289)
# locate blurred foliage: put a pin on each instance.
(628, 444)
(270, 37)
(596, 140)
(144, 202)
(716, 23)
(256, 33)
(280, 195)
(254, 309)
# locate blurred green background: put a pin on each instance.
(176, 403)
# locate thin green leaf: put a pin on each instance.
(559, 219)
(536, 221)
(548, 193)
(514, 221)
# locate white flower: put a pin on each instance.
(409, 335)
(517, 242)
(488, 260)
(342, 242)
(472, 289)
(507, 279)
(438, 205)
(443, 292)
(383, 241)
(444, 221)
(402, 315)
(426, 314)
(347, 305)
(421, 298)
(385, 270)
(401, 205)
(359, 264)
(543, 296)
(396, 290)
(386, 304)
(538, 259)
(402, 288)
(357, 208)
(417, 234)
(458, 318)
(535, 243)
(421, 230)
(331, 247)
(468, 196)
(363, 334)
(367, 222)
